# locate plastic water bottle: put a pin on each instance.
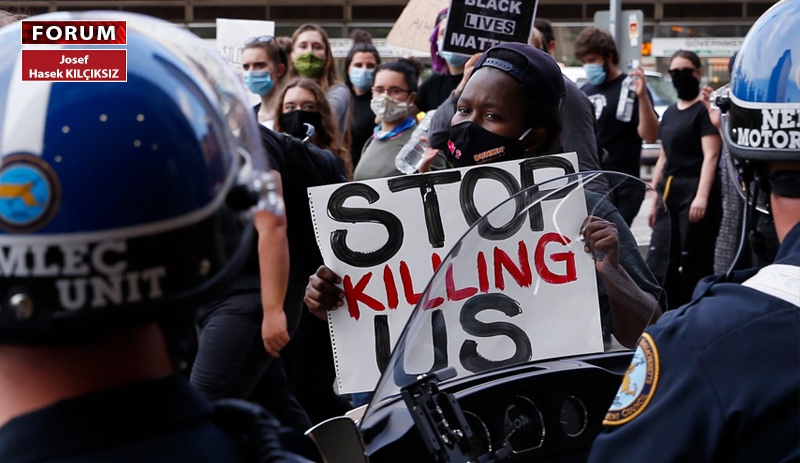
(412, 152)
(626, 99)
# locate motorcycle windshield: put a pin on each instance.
(520, 285)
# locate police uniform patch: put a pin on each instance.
(638, 385)
(29, 193)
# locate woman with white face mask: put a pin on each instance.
(448, 69)
(264, 63)
(393, 93)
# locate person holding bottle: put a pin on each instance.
(619, 142)
(685, 176)
(313, 59)
(361, 62)
(448, 69)
(264, 63)
(393, 94)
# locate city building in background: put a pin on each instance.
(713, 29)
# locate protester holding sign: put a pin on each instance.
(510, 110)
(312, 58)
(577, 116)
(448, 69)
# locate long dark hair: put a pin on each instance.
(405, 67)
(358, 47)
(329, 137)
(686, 54)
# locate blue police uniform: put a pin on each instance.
(163, 420)
(717, 380)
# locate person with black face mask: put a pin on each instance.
(305, 113)
(509, 110)
(685, 175)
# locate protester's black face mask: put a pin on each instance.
(293, 122)
(471, 144)
(685, 83)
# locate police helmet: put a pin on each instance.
(763, 100)
(115, 196)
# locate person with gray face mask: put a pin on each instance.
(393, 94)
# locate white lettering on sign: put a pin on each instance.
(489, 24)
(506, 6)
(470, 41)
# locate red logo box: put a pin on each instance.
(75, 65)
(74, 32)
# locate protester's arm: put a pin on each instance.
(339, 98)
(322, 294)
(439, 130)
(658, 174)
(711, 145)
(273, 262)
(714, 114)
(648, 119)
(632, 308)
(578, 132)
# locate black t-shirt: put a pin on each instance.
(435, 90)
(300, 166)
(361, 125)
(681, 132)
(619, 139)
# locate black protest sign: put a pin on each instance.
(477, 25)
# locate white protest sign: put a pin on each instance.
(476, 25)
(385, 238)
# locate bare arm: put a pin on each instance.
(632, 308)
(648, 120)
(711, 145)
(273, 263)
(658, 174)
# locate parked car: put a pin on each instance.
(663, 93)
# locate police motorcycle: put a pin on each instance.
(510, 353)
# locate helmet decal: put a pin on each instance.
(29, 193)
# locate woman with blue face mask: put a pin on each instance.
(448, 69)
(264, 63)
(361, 63)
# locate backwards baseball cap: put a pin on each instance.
(537, 72)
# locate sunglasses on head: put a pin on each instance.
(259, 39)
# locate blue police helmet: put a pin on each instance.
(763, 121)
(115, 197)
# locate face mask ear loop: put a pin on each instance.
(525, 134)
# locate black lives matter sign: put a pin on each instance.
(477, 25)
